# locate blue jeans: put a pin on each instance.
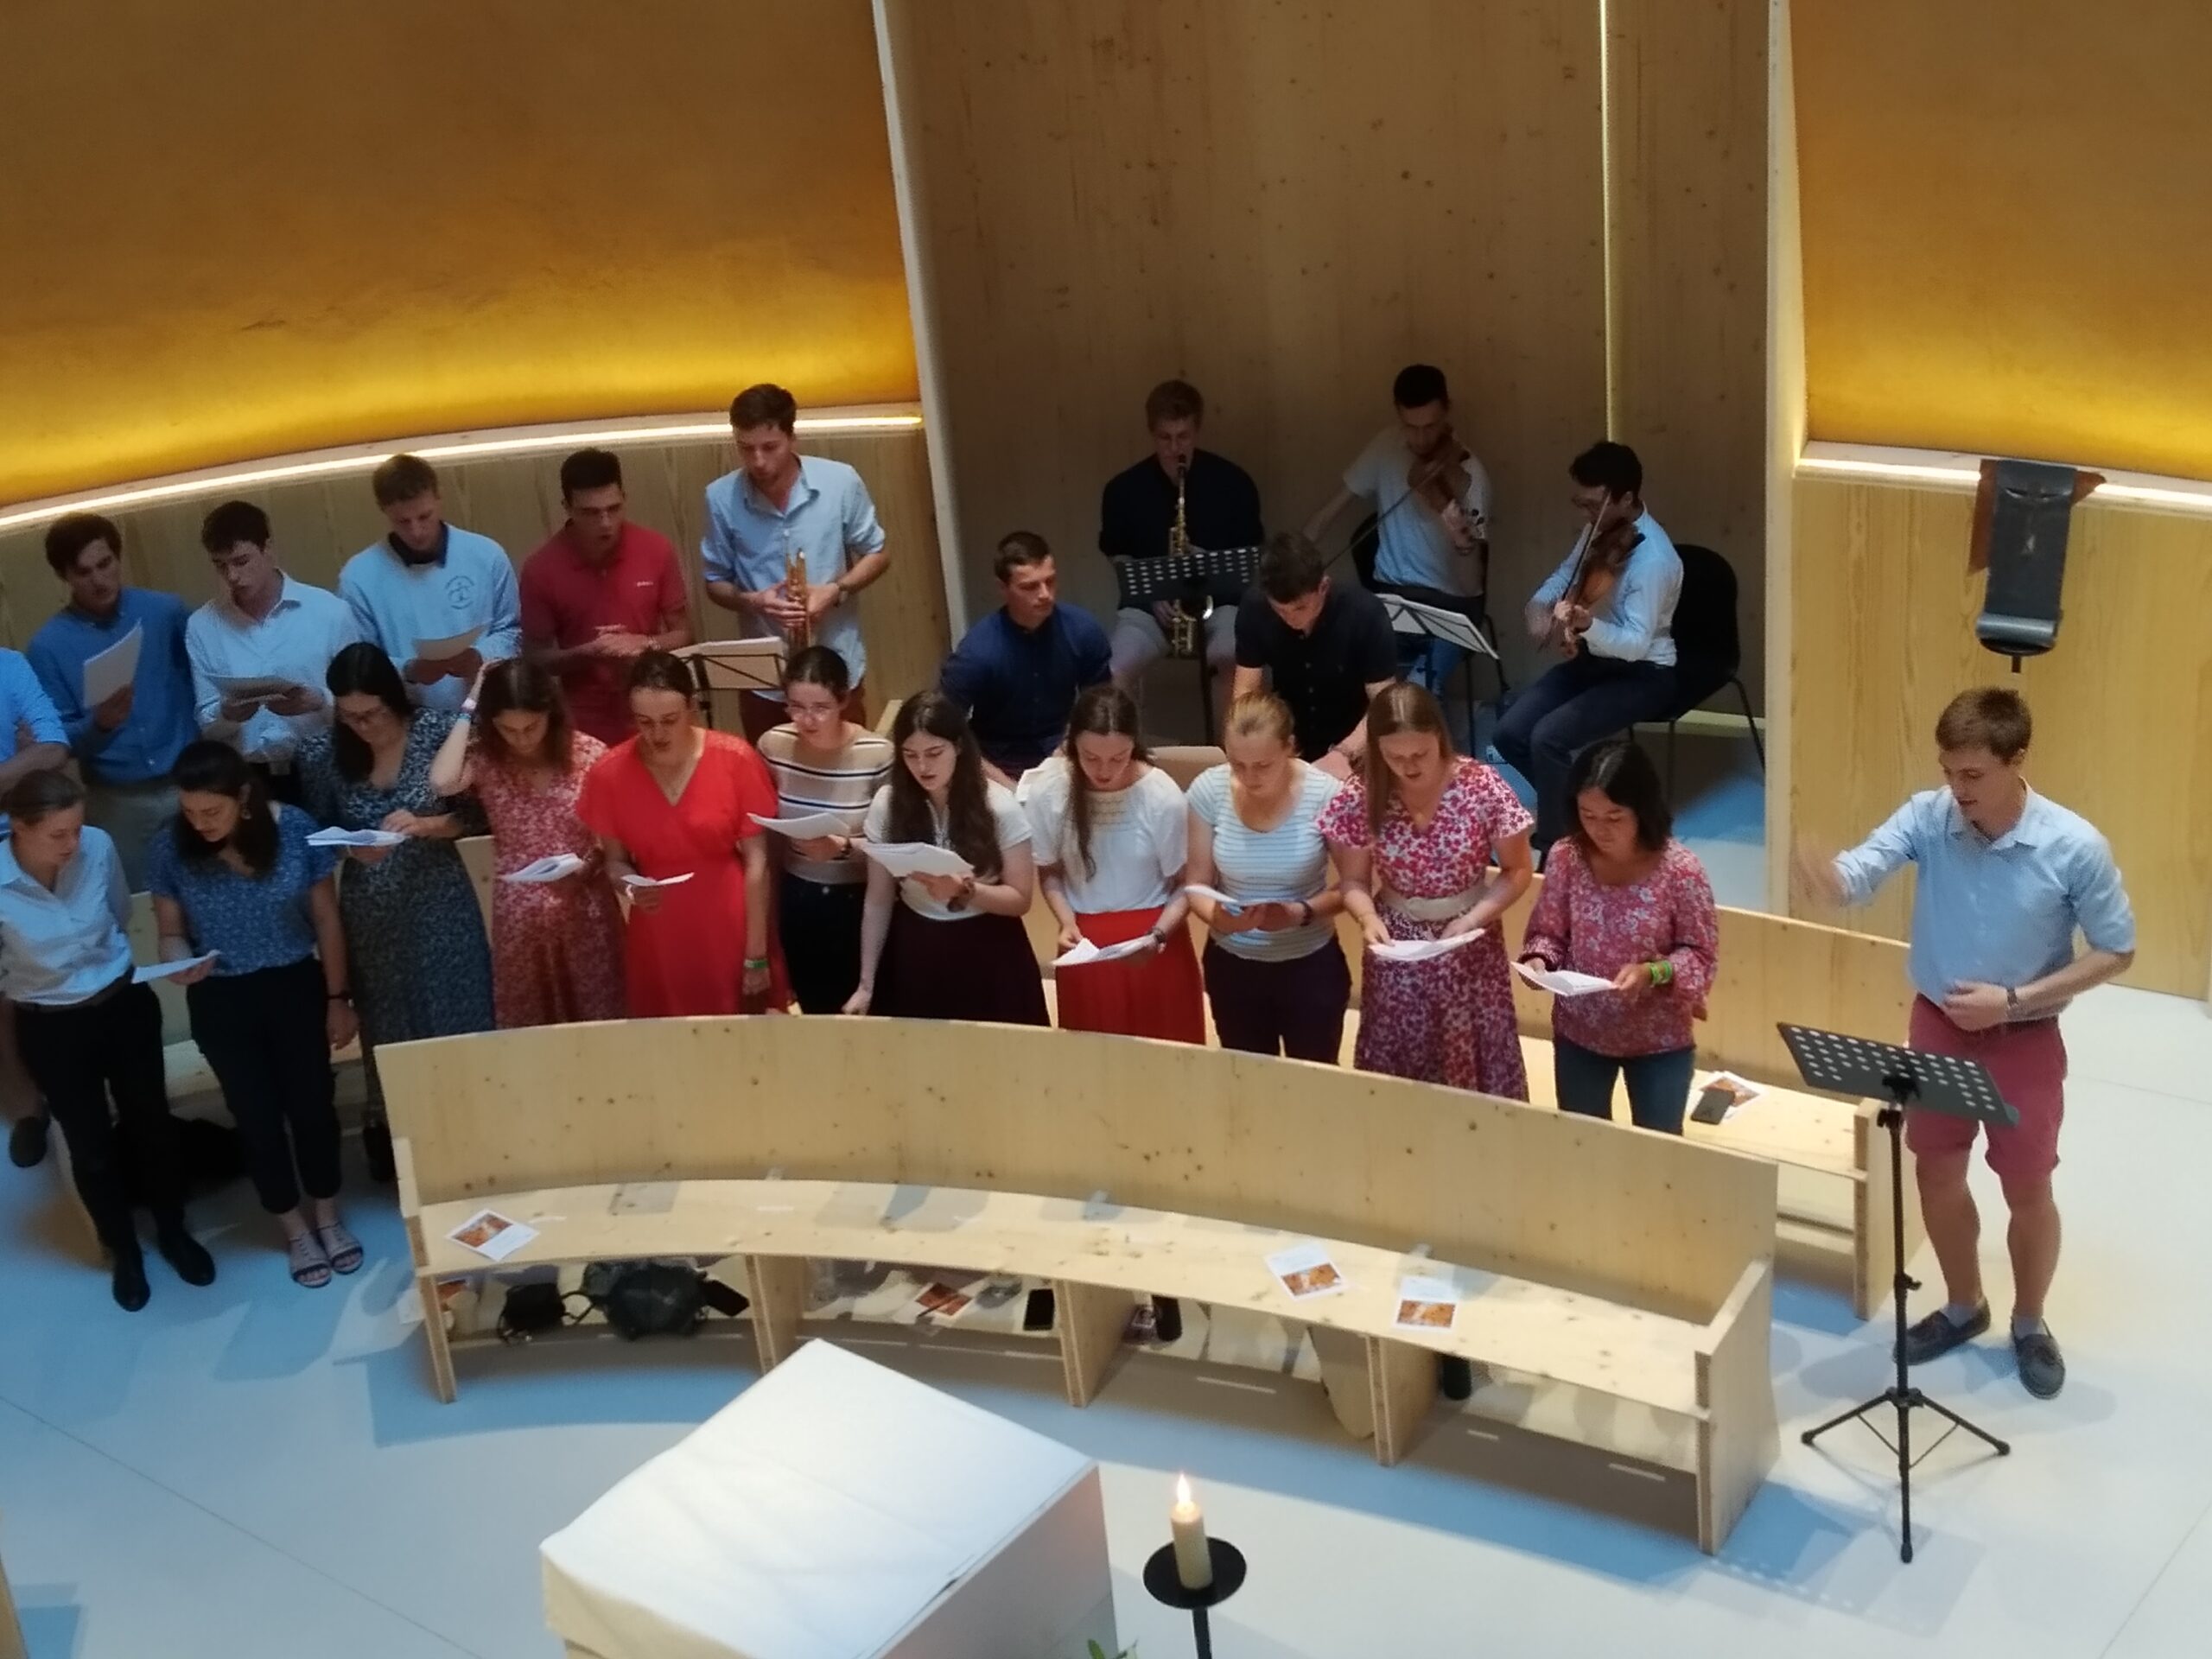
(1429, 662)
(1658, 1084)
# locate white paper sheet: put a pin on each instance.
(108, 671)
(437, 651)
(1085, 952)
(635, 882)
(1305, 1271)
(554, 867)
(1199, 890)
(356, 838)
(252, 687)
(1563, 982)
(1422, 950)
(808, 826)
(904, 858)
(1425, 1303)
(491, 1234)
(156, 970)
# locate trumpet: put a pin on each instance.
(795, 591)
(1183, 626)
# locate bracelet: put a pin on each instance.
(467, 709)
(1662, 973)
(1307, 920)
(339, 996)
(756, 962)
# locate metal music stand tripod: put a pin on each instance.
(1222, 573)
(1431, 621)
(1854, 1066)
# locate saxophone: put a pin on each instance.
(1183, 630)
(795, 590)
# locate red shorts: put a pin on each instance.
(2028, 1061)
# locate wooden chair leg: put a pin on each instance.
(434, 1333)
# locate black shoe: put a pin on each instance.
(1936, 1335)
(184, 1253)
(129, 1282)
(27, 1142)
(2042, 1369)
(376, 1147)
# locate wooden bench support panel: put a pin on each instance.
(1347, 1377)
(777, 1284)
(1737, 1440)
(1091, 1322)
(1402, 1382)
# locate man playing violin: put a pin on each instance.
(1609, 611)
(1432, 515)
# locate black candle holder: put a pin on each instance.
(1160, 1580)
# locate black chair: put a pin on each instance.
(1708, 646)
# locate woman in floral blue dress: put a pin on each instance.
(413, 930)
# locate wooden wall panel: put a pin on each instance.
(1285, 203)
(1785, 435)
(1688, 133)
(252, 227)
(515, 500)
(1883, 613)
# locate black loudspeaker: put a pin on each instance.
(2022, 513)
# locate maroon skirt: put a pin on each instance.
(976, 968)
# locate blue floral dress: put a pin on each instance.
(413, 932)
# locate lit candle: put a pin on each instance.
(1193, 1560)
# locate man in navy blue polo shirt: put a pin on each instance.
(1018, 671)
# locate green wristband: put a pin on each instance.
(1662, 973)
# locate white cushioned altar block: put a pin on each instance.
(838, 1510)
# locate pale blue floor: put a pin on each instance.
(254, 1471)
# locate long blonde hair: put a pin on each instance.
(1399, 707)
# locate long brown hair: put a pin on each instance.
(520, 686)
(1399, 707)
(971, 829)
(1101, 711)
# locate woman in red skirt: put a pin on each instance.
(1110, 834)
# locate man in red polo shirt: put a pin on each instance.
(601, 592)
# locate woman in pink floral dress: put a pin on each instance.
(1414, 841)
(557, 946)
(1625, 901)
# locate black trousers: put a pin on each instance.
(819, 927)
(81, 1056)
(263, 1034)
(1578, 703)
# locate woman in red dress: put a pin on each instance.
(1109, 832)
(1413, 840)
(557, 946)
(675, 804)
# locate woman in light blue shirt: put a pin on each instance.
(233, 874)
(89, 1034)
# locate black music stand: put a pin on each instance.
(1428, 621)
(754, 664)
(1221, 573)
(1830, 1061)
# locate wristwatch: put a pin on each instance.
(2011, 1000)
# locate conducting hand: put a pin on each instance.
(1816, 875)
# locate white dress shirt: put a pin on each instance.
(68, 945)
(294, 642)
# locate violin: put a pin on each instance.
(1441, 479)
(1599, 558)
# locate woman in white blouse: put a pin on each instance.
(948, 947)
(1109, 833)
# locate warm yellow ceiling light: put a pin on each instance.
(457, 446)
(1959, 472)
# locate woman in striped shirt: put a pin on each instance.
(823, 763)
(1275, 973)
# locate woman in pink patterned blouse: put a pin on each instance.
(1625, 901)
(1413, 840)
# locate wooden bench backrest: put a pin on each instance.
(1648, 1219)
(1772, 968)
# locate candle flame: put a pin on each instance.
(1182, 1489)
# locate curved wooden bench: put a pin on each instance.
(1623, 1264)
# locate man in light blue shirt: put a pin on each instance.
(128, 742)
(429, 585)
(1620, 651)
(777, 508)
(2006, 878)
